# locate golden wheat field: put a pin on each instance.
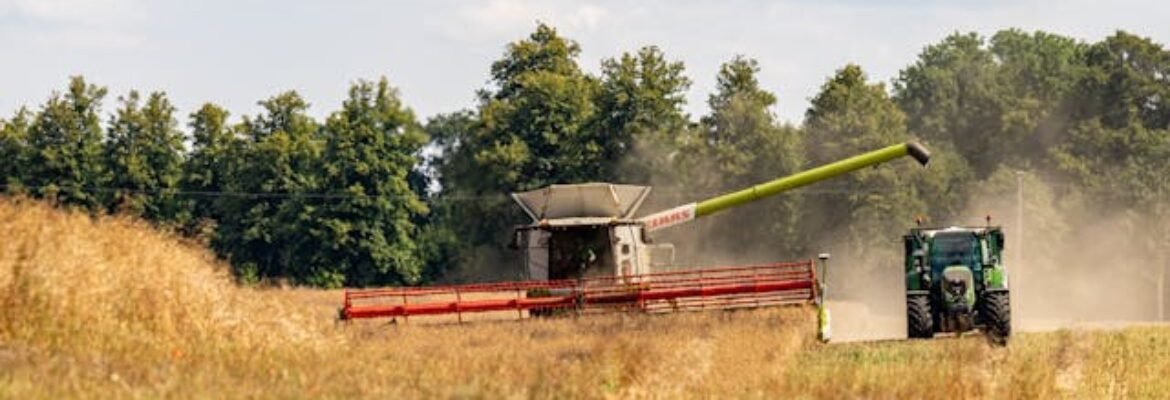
(111, 308)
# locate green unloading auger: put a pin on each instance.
(688, 212)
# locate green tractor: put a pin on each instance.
(956, 282)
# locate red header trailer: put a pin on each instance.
(696, 289)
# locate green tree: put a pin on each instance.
(207, 172)
(1126, 83)
(450, 166)
(1123, 167)
(951, 95)
(1118, 150)
(14, 149)
(144, 155)
(65, 141)
(369, 235)
(1036, 74)
(451, 163)
(1120, 144)
(272, 199)
(850, 116)
(1001, 102)
(739, 144)
(639, 111)
(740, 124)
(531, 130)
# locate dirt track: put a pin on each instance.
(853, 321)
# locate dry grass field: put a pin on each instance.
(112, 308)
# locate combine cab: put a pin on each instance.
(584, 250)
(956, 281)
(585, 230)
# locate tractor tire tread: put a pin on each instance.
(920, 323)
(997, 316)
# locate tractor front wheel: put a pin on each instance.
(919, 322)
(997, 316)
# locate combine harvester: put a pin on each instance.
(585, 252)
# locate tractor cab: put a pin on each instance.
(930, 252)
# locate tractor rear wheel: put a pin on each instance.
(919, 322)
(996, 312)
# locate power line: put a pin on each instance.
(327, 196)
(197, 193)
(660, 194)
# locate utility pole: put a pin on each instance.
(1165, 217)
(1162, 285)
(1019, 251)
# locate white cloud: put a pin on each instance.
(83, 38)
(439, 51)
(496, 15)
(74, 23)
(799, 43)
(498, 18)
(587, 16)
(75, 12)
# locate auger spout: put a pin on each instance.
(688, 212)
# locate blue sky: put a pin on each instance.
(437, 52)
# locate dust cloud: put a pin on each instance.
(1071, 263)
(1106, 271)
(866, 297)
(1071, 266)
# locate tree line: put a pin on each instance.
(371, 195)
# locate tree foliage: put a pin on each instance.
(531, 129)
(850, 116)
(14, 149)
(368, 235)
(144, 157)
(951, 95)
(208, 170)
(639, 112)
(265, 235)
(739, 144)
(65, 145)
(370, 196)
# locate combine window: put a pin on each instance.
(580, 251)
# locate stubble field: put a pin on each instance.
(113, 308)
